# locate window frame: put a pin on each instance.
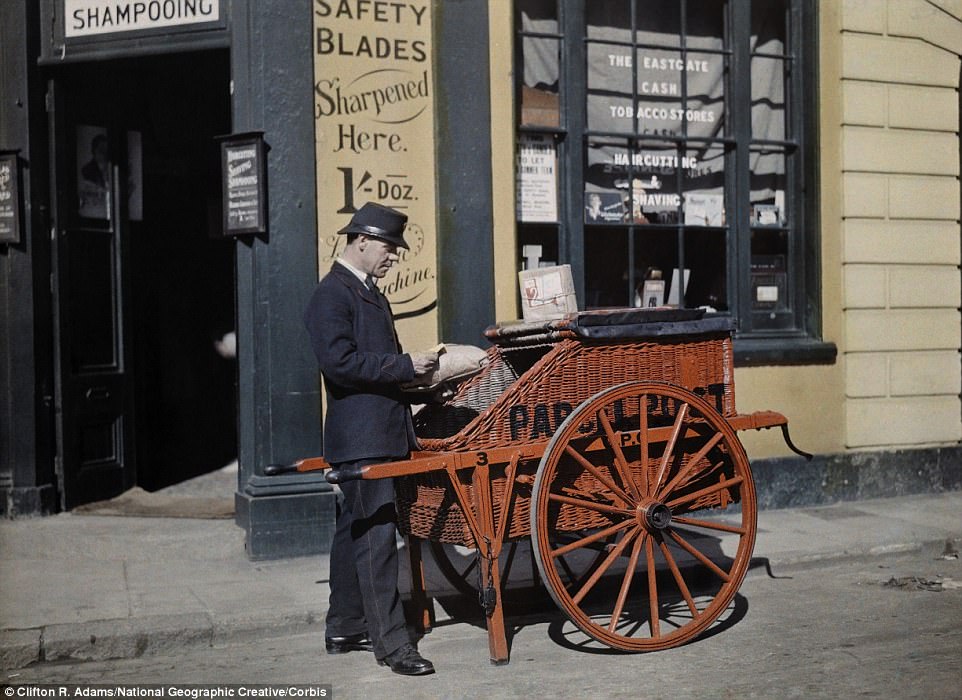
(799, 343)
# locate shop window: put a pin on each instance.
(669, 139)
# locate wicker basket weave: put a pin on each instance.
(502, 407)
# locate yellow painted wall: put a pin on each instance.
(898, 127)
(501, 32)
(889, 189)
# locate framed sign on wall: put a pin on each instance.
(243, 159)
(10, 210)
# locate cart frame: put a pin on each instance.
(621, 487)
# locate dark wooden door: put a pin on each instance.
(94, 397)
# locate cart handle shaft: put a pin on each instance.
(767, 419)
(426, 461)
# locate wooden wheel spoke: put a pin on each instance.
(605, 565)
(707, 491)
(670, 447)
(598, 474)
(643, 439)
(598, 504)
(594, 537)
(652, 589)
(629, 627)
(626, 582)
(589, 505)
(690, 467)
(688, 547)
(620, 462)
(722, 527)
(679, 579)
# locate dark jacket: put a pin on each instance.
(357, 349)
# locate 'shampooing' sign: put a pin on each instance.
(84, 18)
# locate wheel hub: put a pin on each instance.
(653, 515)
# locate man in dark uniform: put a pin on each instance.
(367, 422)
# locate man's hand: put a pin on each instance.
(424, 362)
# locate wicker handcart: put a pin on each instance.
(609, 440)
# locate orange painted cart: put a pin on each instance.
(609, 439)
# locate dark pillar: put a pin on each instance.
(27, 480)
(279, 400)
(465, 220)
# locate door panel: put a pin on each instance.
(94, 395)
(91, 257)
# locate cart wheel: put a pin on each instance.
(660, 470)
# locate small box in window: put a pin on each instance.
(765, 215)
(652, 294)
(547, 292)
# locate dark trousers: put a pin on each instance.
(364, 565)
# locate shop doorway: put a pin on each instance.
(144, 288)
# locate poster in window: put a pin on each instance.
(604, 208)
(537, 179)
(704, 209)
(93, 172)
(672, 93)
(680, 93)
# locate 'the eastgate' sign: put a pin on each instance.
(90, 17)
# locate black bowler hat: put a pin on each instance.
(382, 222)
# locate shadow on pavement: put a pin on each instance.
(527, 601)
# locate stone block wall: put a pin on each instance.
(900, 66)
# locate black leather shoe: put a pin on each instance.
(351, 642)
(407, 661)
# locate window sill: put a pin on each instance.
(758, 352)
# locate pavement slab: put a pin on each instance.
(86, 587)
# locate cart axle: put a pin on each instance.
(653, 515)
